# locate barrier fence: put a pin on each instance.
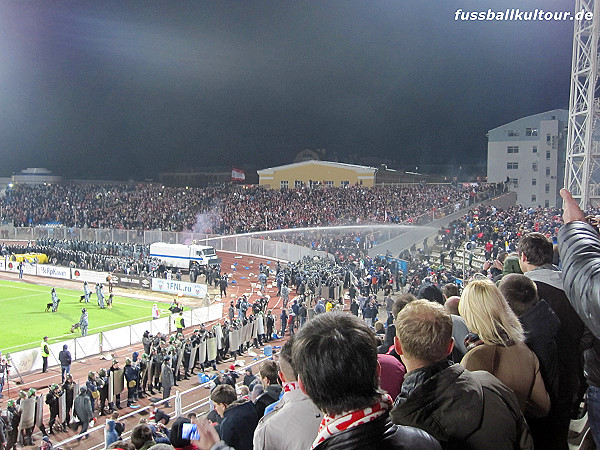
(83, 347)
(234, 243)
(117, 279)
(200, 407)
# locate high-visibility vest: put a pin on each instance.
(43, 346)
(178, 323)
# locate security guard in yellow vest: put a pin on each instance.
(179, 323)
(45, 350)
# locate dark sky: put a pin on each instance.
(126, 89)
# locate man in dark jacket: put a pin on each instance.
(239, 417)
(536, 254)
(579, 249)
(541, 327)
(269, 377)
(335, 355)
(65, 361)
(461, 409)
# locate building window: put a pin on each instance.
(548, 155)
(533, 198)
(515, 182)
(512, 165)
(547, 188)
(513, 149)
(513, 133)
(283, 184)
(298, 184)
(535, 149)
(533, 182)
(548, 139)
(547, 203)
(531, 131)
(547, 171)
(344, 183)
(534, 166)
(328, 183)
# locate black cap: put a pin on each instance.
(176, 439)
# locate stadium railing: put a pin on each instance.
(234, 243)
(200, 407)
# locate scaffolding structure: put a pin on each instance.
(582, 171)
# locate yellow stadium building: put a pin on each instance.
(316, 173)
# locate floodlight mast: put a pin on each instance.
(582, 171)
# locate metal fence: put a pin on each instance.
(235, 243)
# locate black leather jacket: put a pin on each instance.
(380, 434)
(579, 248)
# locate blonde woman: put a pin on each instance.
(502, 352)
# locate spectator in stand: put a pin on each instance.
(579, 248)
(462, 409)
(336, 358)
(239, 417)
(294, 421)
(269, 377)
(541, 326)
(501, 348)
(536, 255)
(142, 438)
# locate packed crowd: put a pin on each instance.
(512, 352)
(502, 228)
(227, 209)
(492, 232)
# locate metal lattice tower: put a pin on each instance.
(582, 171)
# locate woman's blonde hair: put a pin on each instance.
(487, 313)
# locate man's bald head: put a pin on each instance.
(451, 305)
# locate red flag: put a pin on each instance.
(237, 174)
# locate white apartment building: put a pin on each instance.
(529, 153)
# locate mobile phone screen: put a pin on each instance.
(189, 431)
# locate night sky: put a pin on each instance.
(127, 89)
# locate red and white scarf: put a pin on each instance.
(291, 386)
(331, 425)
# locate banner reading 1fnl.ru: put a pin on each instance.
(176, 287)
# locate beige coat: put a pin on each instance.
(518, 368)
(292, 425)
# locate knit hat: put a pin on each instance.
(511, 265)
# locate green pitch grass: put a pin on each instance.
(25, 322)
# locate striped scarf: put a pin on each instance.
(331, 425)
(291, 386)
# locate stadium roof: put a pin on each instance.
(363, 169)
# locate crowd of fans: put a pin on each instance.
(228, 209)
(512, 349)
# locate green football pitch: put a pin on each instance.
(25, 322)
